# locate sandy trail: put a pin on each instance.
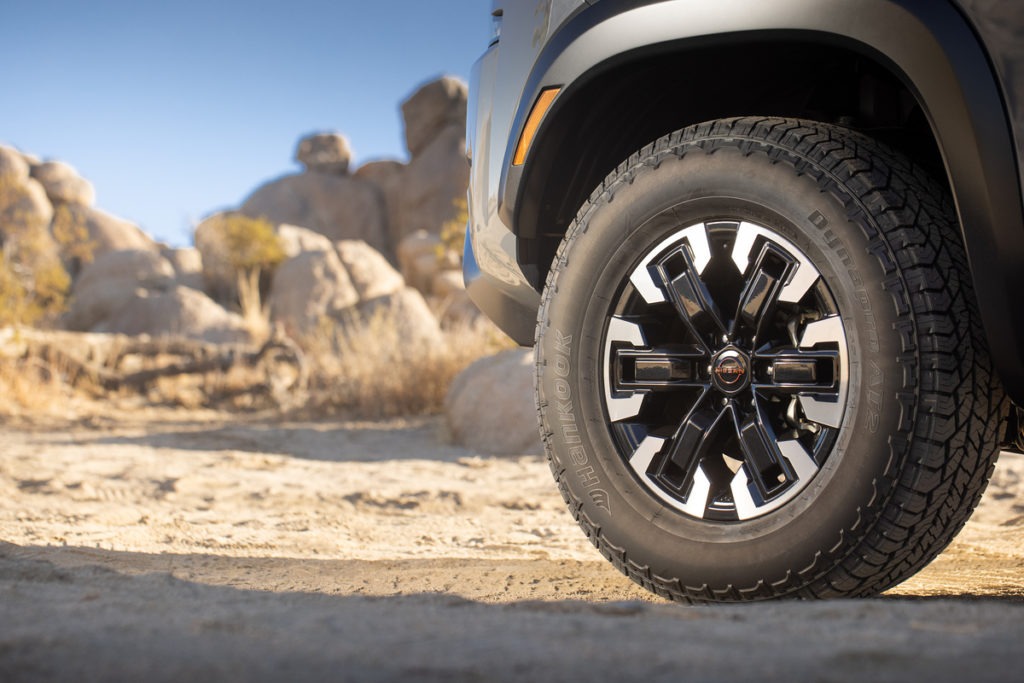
(159, 547)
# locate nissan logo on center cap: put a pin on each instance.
(730, 370)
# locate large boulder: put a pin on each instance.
(502, 422)
(309, 289)
(63, 185)
(295, 240)
(432, 108)
(434, 183)
(327, 153)
(345, 289)
(136, 292)
(422, 257)
(108, 283)
(426, 193)
(387, 177)
(13, 166)
(24, 207)
(175, 312)
(187, 263)
(404, 311)
(30, 253)
(337, 207)
(371, 274)
(89, 232)
(31, 256)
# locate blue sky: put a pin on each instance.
(176, 109)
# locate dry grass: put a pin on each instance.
(32, 385)
(367, 371)
(374, 371)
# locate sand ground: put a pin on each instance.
(164, 546)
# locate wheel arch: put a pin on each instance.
(606, 60)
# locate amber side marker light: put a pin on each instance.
(540, 107)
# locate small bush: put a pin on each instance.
(33, 282)
(253, 250)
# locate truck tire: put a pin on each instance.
(761, 371)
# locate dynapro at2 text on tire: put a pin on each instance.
(761, 370)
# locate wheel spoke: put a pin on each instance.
(659, 369)
(826, 409)
(694, 439)
(761, 454)
(697, 498)
(798, 372)
(751, 502)
(798, 282)
(689, 295)
(695, 236)
(761, 291)
(621, 404)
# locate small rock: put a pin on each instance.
(328, 153)
(458, 310)
(446, 283)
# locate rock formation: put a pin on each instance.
(137, 292)
(322, 291)
(63, 185)
(341, 229)
(382, 202)
(50, 204)
(336, 206)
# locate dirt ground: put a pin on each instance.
(165, 546)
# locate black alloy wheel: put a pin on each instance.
(729, 325)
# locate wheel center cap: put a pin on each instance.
(730, 371)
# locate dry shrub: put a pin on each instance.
(253, 250)
(372, 371)
(33, 281)
(32, 384)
